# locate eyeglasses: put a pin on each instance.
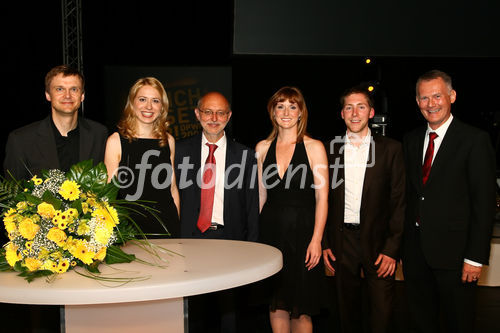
(210, 113)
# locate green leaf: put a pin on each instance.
(77, 204)
(109, 191)
(90, 178)
(116, 255)
(94, 267)
(31, 198)
(30, 276)
(48, 197)
(78, 171)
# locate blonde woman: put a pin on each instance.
(141, 157)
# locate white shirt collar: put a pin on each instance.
(221, 143)
(366, 140)
(441, 130)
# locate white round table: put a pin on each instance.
(156, 303)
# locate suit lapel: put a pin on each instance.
(374, 151)
(86, 140)
(196, 149)
(446, 149)
(231, 158)
(46, 144)
(417, 151)
(337, 174)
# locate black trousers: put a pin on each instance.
(438, 300)
(380, 291)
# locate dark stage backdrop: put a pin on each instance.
(184, 85)
(362, 27)
(180, 35)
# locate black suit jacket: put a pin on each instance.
(457, 204)
(241, 201)
(32, 148)
(382, 202)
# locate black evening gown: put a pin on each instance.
(287, 223)
(155, 180)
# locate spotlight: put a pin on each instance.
(371, 88)
(368, 61)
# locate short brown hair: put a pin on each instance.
(356, 90)
(65, 70)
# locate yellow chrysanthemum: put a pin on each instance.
(57, 236)
(73, 263)
(36, 180)
(46, 210)
(106, 214)
(28, 245)
(101, 254)
(10, 226)
(82, 252)
(32, 264)
(69, 190)
(63, 266)
(28, 229)
(102, 235)
(10, 215)
(11, 254)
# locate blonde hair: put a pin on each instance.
(127, 124)
(293, 95)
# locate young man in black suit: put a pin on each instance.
(450, 169)
(366, 215)
(232, 211)
(60, 140)
(56, 142)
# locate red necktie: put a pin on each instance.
(207, 190)
(426, 168)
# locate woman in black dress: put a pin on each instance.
(141, 156)
(293, 178)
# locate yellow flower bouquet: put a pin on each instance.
(60, 221)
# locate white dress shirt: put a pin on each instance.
(220, 165)
(441, 132)
(355, 159)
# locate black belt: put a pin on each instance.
(215, 226)
(352, 226)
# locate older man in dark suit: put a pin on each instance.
(219, 196)
(366, 214)
(450, 209)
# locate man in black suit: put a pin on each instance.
(56, 142)
(60, 140)
(235, 208)
(450, 169)
(366, 214)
